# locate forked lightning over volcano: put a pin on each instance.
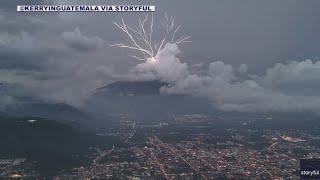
(141, 37)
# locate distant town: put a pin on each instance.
(189, 147)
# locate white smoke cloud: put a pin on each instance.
(47, 73)
(166, 68)
(77, 40)
(284, 87)
(300, 78)
(243, 68)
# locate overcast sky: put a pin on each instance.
(65, 56)
(258, 33)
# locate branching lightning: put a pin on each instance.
(141, 39)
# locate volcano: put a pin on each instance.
(143, 100)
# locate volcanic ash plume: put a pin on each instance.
(223, 84)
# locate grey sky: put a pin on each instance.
(257, 33)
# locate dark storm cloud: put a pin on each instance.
(80, 42)
(17, 24)
(17, 51)
(21, 51)
(252, 32)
